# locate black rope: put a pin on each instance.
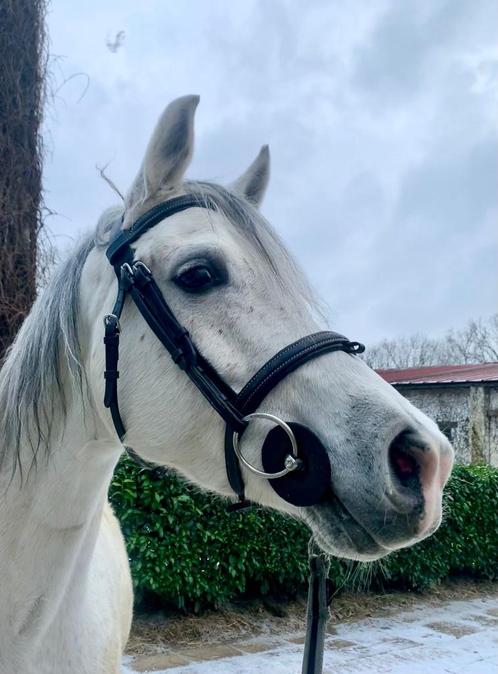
(317, 611)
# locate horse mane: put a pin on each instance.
(32, 397)
(31, 391)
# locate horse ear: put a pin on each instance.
(253, 183)
(169, 151)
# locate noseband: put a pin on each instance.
(295, 461)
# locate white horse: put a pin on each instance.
(65, 591)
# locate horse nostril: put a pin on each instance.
(406, 458)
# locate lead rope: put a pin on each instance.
(317, 610)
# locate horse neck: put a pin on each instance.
(49, 521)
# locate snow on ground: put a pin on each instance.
(458, 637)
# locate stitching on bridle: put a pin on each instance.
(272, 373)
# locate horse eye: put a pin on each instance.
(197, 278)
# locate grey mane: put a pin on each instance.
(47, 346)
(31, 390)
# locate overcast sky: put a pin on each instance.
(380, 116)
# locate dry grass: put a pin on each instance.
(164, 632)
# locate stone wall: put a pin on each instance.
(467, 415)
(493, 425)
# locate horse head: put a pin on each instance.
(229, 280)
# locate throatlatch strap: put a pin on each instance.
(111, 341)
(111, 374)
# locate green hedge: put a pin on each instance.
(187, 550)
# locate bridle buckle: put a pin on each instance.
(112, 324)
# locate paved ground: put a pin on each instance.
(457, 637)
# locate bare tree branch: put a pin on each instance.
(477, 342)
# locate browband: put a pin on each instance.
(121, 243)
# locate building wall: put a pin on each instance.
(468, 416)
(450, 410)
(493, 425)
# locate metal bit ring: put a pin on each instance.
(291, 460)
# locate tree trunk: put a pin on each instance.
(22, 76)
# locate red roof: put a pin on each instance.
(443, 374)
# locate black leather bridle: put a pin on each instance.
(301, 475)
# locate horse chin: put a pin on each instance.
(341, 535)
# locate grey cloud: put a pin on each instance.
(412, 41)
(436, 255)
(380, 118)
(451, 193)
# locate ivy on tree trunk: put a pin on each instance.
(22, 76)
